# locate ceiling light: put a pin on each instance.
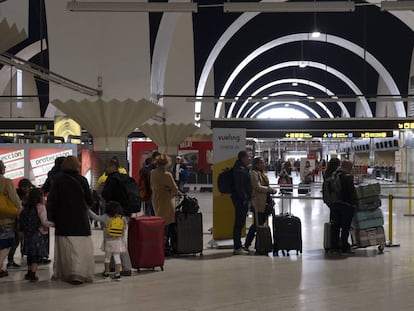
(267, 7)
(294, 84)
(303, 64)
(310, 97)
(316, 34)
(397, 5)
(76, 6)
(286, 105)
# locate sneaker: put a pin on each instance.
(3, 273)
(116, 277)
(126, 273)
(27, 276)
(12, 265)
(246, 248)
(240, 251)
(33, 278)
(105, 274)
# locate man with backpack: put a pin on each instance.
(114, 191)
(240, 196)
(342, 211)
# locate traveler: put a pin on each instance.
(7, 225)
(164, 189)
(343, 211)
(241, 196)
(55, 171)
(23, 189)
(35, 233)
(145, 186)
(260, 196)
(180, 173)
(114, 191)
(113, 243)
(67, 204)
(307, 173)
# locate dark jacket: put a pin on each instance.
(242, 187)
(67, 205)
(348, 194)
(114, 190)
(51, 176)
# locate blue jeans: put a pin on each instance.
(240, 214)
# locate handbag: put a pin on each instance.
(7, 207)
(270, 204)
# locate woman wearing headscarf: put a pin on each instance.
(7, 225)
(67, 208)
(164, 189)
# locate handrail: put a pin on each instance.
(46, 74)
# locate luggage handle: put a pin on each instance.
(290, 205)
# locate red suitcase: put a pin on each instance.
(146, 242)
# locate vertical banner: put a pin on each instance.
(226, 145)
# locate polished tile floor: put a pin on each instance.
(220, 281)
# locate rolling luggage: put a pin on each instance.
(327, 236)
(188, 235)
(264, 243)
(368, 219)
(287, 233)
(366, 191)
(146, 241)
(369, 237)
(369, 203)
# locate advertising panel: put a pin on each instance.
(42, 160)
(227, 142)
(13, 159)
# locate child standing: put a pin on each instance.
(34, 226)
(113, 230)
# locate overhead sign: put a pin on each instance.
(406, 126)
(298, 135)
(357, 134)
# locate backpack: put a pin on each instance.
(29, 220)
(115, 226)
(188, 205)
(184, 173)
(225, 181)
(132, 193)
(332, 188)
(144, 185)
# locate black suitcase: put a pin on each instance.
(264, 243)
(188, 235)
(287, 233)
(327, 236)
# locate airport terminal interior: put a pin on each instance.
(293, 81)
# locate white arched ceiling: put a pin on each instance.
(299, 104)
(318, 86)
(407, 17)
(333, 71)
(369, 58)
(27, 53)
(161, 51)
(296, 93)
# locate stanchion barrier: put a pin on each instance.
(390, 233)
(410, 194)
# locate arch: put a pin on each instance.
(370, 59)
(26, 53)
(304, 106)
(333, 71)
(320, 104)
(160, 55)
(318, 86)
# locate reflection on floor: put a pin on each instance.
(220, 281)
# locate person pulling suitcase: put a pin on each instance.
(261, 198)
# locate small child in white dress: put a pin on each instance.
(113, 225)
